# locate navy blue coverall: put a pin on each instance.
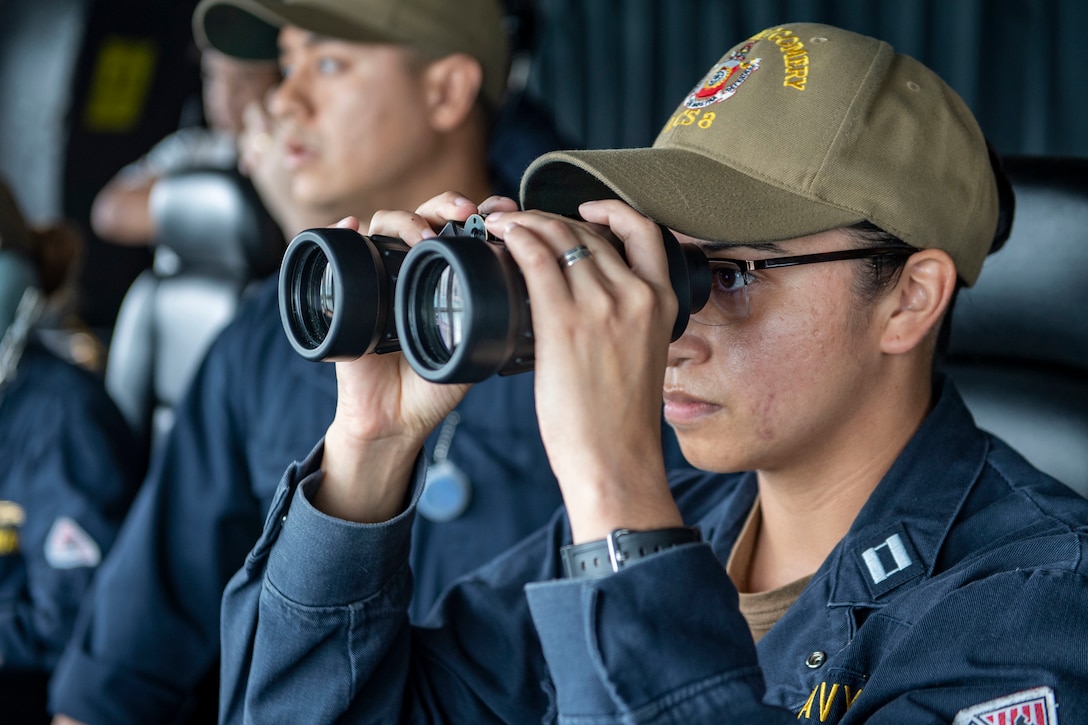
(960, 590)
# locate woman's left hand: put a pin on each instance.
(602, 327)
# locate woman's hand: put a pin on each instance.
(384, 410)
(602, 329)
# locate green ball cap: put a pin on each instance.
(248, 29)
(800, 129)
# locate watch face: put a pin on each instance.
(446, 493)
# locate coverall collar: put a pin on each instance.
(875, 558)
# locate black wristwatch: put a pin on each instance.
(602, 557)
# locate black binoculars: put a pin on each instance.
(460, 310)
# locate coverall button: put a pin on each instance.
(816, 660)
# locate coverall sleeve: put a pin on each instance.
(79, 468)
(316, 616)
(315, 626)
(150, 630)
(659, 641)
(315, 630)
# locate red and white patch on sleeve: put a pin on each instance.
(1027, 707)
(68, 546)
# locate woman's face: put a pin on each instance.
(781, 385)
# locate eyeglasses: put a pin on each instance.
(729, 280)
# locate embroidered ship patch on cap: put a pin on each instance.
(1028, 707)
(724, 78)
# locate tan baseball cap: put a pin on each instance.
(800, 129)
(248, 29)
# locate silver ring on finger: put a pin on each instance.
(576, 254)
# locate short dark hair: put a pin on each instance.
(878, 274)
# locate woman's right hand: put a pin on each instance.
(385, 411)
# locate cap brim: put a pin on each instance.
(249, 29)
(683, 190)
(238, 28)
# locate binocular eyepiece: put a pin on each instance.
(456, 304)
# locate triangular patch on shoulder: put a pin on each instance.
(68, 546)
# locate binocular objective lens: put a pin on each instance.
(449, 309)
(327, 293)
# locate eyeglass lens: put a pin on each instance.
(728, 300)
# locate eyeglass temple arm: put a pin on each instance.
(750, 265)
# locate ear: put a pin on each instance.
(919, 300)
(451, 86)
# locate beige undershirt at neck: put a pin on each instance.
(760, 609)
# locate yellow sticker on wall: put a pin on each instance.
(119, 87)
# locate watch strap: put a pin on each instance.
(606, 556)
